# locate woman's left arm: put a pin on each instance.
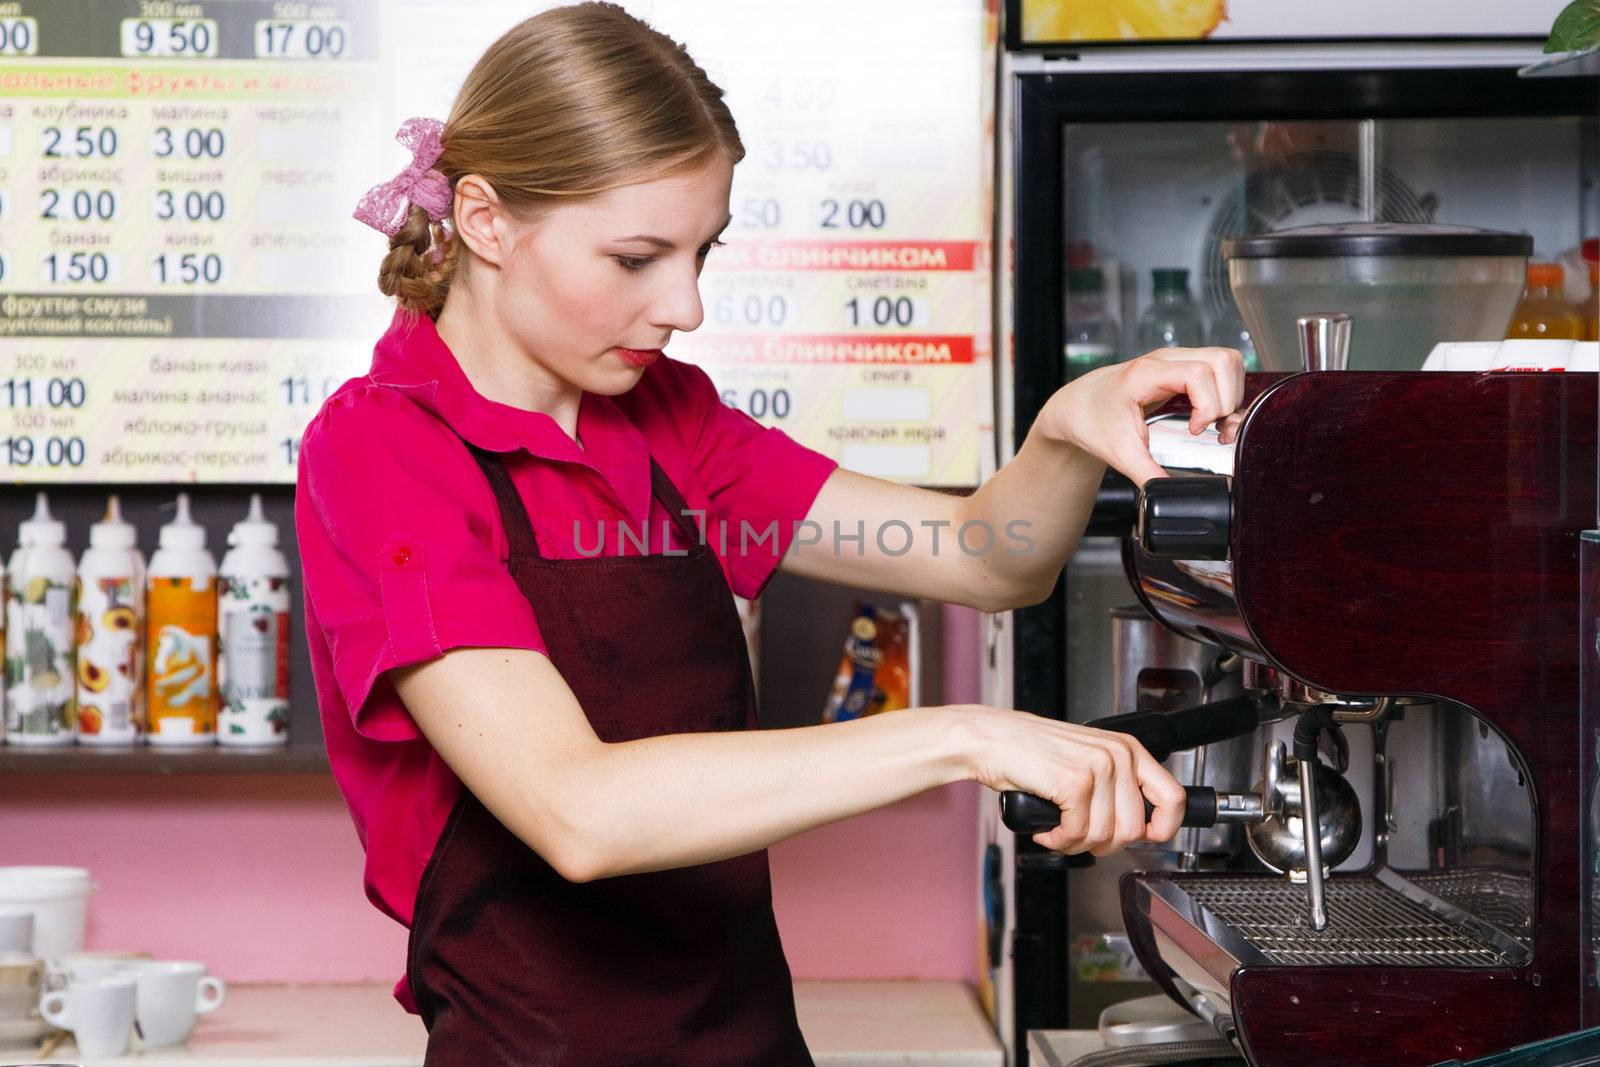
(1004, 546)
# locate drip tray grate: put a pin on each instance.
(1369, 922)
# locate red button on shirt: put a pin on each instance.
(403, 553)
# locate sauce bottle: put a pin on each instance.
(110, 633)
(253, 613)
(40, 688)
(1543, 314)
(182, 635)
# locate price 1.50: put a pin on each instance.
(170, 38)
(302, 39)
(48, 392)
(26, 451)
(190, 268)
(73, 268)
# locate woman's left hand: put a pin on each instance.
(1103, 412)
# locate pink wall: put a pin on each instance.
(260, 876)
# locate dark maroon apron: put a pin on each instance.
(511, 964)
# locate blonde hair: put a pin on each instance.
(570, 103)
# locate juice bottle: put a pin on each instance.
(40, 687)
(1543, 314)
(253, 613)
(110, 633)
(182, 635)
(1092, 331)
(1171, 320)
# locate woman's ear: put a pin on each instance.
(480, 219)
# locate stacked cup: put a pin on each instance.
(106, 995)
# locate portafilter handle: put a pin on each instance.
(1325, 340)
(1162, 734)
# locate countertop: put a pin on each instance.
(847, 1024)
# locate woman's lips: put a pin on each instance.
(640, 357)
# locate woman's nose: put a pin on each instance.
(679, 307)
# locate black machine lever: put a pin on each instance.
(1162, 734)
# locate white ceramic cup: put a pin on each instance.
(171, 995)
(99, 1012)
(21, 983)
(16, 930)
(85, 966)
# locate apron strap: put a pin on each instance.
(514, 513)
(663, 489)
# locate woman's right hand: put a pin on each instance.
(1099, 780)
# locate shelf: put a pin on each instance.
(1583, 63)
(297, 758)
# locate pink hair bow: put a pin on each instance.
(385, 206)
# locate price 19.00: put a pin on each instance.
(24, 450)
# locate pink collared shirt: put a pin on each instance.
(402, 548)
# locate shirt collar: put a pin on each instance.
(413, 357)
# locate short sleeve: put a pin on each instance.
(401, 548)
(761, 481)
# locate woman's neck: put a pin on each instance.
(497, 368)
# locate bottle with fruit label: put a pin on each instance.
(253, 613)
(1543, 314)
(111, 618)
(181, 636)
(40, 686)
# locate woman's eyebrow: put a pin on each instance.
(663, 243)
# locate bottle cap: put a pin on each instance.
(112, 531)
(1170, 279)
(182, 531)
(41, 529)
(254, 531)
(1086, 280)
(1545, 275)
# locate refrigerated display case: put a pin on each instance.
(1126, 162)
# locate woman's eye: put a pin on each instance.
(633, 263)
(708, 247)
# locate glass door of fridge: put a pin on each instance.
(1148, 205)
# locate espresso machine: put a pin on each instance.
(1384, 568)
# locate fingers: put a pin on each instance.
(1096, 785)
(1157, 785)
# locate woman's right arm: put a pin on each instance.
(511, 729)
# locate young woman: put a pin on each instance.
(542, 727)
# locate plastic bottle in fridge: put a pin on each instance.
(182, 635)
(110, 633)
(1230, 331)
(253, 614)
(41, 689)
(1171, 320)
(1092, 331)
(1543, 314)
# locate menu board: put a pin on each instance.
(181, 284)
(175, 182)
